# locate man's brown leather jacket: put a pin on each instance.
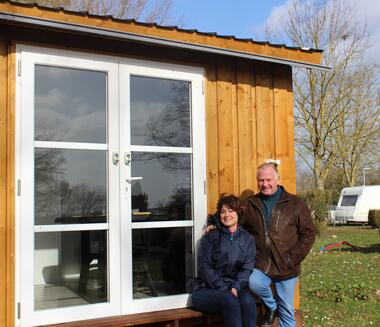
(286, 242)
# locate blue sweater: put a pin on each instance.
(225, 260)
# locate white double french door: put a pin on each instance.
(110, 170)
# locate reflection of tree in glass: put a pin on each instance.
(55, 197)
(49, 167)
(66, 194)
(175, 176)
(171, 127)
(85, 198)
(179, 204)
(169, 161)
(77, 200)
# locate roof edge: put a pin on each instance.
(105, 32)
(88, 14)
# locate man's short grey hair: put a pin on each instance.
(267, 165)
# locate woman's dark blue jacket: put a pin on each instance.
(225, 261)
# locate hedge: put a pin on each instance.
(374, 218)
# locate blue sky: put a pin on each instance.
(241, 18)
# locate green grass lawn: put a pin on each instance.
(342, 286)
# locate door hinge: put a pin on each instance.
(19, 67)
(18, 310)
(204, 187)
(203, 87)
(115, 158)
(127, 158)
(18, 187)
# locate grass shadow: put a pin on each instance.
(374, 248)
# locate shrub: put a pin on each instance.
(318, 201)
(320, 226)
(374, 218)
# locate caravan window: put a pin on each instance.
(349, 200)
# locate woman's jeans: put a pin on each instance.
(236, 311)
(259, 283)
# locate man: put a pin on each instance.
(284, 232)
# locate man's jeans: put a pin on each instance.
(236, 311)
(259, 283)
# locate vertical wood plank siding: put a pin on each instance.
(7, 184)
(283, 108)
(3, 178)
(212, 136)
(227, 126)
(252, 104)
(249, 118)
(246, 112)
(264, 112)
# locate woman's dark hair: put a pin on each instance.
(230, 201)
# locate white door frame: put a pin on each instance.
(119, 201)
(28, 58)
(194, 75)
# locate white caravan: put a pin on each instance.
(355, 202)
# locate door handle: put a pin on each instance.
(129, 180)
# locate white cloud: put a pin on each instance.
(68, 118)
(54, 98)
(278, 14)
(367, 12)
(274, 20)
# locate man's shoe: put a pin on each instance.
(268, 319)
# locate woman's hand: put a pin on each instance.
(208, 229)
(234, 292)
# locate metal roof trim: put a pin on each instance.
(153, 24)
(11, 17)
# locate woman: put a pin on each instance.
(226, 258)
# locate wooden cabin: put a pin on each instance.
(117, 138)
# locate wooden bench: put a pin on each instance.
(184, 317)
(167, 318)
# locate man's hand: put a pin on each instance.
(234, 292)
(208, 229)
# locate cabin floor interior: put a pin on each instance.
(185, 317)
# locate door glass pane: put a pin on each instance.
(70, 105)
(160, 112)
(163, 191)
(70, 268)
(70, 186)
(162, 261)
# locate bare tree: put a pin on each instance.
(157, 11)
(358, 140)
(334, 106)
(305, 179)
